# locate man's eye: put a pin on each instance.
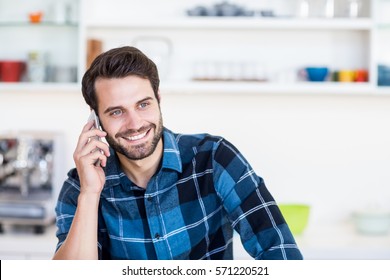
(116, 113)
(143, 105)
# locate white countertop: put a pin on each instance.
(318, 242)
(336, 242)
(24, 244)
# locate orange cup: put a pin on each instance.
(35, 17)
(361, 75)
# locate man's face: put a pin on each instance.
(130, 114)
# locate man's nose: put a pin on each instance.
(133, 120)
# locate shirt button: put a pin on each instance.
(157, 236)
(149, 198)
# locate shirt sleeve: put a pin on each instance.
(252, 210)
(66, 208)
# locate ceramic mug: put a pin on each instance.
(361, 75)
(346, 76)
(12, 70)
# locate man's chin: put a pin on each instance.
(139, 154)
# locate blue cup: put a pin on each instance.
(317, 74)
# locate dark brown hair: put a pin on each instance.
(118, 63)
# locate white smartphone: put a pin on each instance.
(95, 118)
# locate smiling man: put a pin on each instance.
(157, 194)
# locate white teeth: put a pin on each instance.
(136, 137)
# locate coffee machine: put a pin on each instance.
(29, 178)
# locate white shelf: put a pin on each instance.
(358, 29)
(216, 88)
(310, 88)
(39, 87)
(24, 24)
(240, 23)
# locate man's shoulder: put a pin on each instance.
(200, 145)
(70, 188)
(72, 173)
(196, 139)
(73, 179)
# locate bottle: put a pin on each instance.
(62, 12)
(353, 8)
(36, 67)
(303, 8)
(329, 8)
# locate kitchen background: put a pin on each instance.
(237, 69)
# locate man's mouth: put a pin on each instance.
(134, 136)
(137, 137)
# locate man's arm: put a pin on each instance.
(251, 208)
(81, 240)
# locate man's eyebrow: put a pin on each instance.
(109, 109)
(145, 99)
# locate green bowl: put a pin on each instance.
(296, 216)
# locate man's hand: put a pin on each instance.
(88, 151)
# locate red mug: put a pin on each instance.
(361, 75)
(12, 70)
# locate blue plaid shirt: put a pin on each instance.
(203, 190)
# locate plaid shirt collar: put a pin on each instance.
(171, 160)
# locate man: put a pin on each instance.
(156, 194)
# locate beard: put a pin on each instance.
(137, 152)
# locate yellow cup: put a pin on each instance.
(346, 75)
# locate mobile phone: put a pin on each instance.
(95, 118)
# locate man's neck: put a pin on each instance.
(140, 171)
